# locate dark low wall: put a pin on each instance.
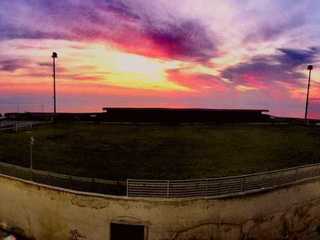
(185, 115)
(161, 115)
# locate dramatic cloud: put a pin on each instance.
(262, 71)
(183, 40)
(296, 57)
(123, 23)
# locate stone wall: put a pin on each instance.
(47, 213)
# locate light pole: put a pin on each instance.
(310, 67)
(54, 56)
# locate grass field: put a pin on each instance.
(162, 152)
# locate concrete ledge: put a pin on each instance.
(45, 212)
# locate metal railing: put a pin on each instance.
(210, 187)
(218, 187)
(18, 125)
(85, 184)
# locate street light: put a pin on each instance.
(54, 56)
(310, 67)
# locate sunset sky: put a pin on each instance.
(160, 53)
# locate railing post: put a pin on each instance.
(296, 174)
(127, 187)
(242, 184)
(207, 188)
(92, 185)
(70, 182)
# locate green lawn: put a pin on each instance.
(162, 152)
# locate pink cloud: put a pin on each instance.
(196, 81)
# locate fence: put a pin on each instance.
(218, 187)
(65, 181)
(6, 125)
(211, 187)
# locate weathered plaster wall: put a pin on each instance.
(48, 213)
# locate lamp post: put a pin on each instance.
(54, 56)
(310, 67)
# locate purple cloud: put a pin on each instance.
(297, 57)
(282, 67)
(122, 8)
(20, 33)
(185, 39)
(11, 65)
(271, 22)
(123, 22)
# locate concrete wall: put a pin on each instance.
(46, 213)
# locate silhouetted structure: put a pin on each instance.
(184, 115)
(162, 115)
